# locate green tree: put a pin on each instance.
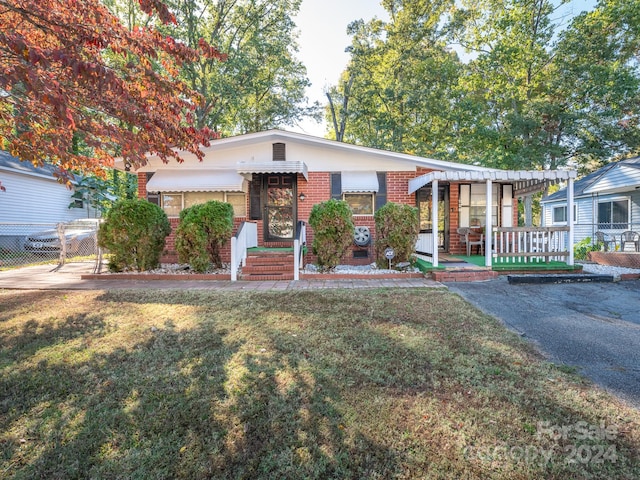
(261, 84)
(547, 96)
(103, 191)
(399, 87)
(532, 92)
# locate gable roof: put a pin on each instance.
(609, 178)
(276, 136)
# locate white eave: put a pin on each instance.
(524, 181)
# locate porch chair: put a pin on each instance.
(606, 240)
(630, 237)
(468, 237)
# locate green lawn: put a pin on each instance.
(338, 384)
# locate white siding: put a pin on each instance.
(33, 199)
(587, 213)
(619, 178)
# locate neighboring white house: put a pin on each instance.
(607, 200)
(33, 198)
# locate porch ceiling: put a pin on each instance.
(524, 181)
(274, 166)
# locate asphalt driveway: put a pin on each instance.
(593, 326)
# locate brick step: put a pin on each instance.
(270, 253)
(267, 268)
(266, 276)
(464, 275)
(264, 260)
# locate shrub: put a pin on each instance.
(134, 232)
(204, 229)
(332, 232)
(583, 247)
(397, 226)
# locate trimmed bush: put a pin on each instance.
(397, 226)
(203, 230)
(332, 232)
(134, 233)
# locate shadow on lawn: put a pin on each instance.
(167, 408)
(304, 389)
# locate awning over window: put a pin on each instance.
(274, 166)
(359, 182)
(178, 180)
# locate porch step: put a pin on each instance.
(268, 265)
(464, 275)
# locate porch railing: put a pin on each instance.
(526, 244)
(245, 237)
(299, 243)
(424, 244)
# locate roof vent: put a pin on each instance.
(279, 153)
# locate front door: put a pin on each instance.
(424, 200)
(280, 207)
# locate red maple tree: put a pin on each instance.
(71, 73)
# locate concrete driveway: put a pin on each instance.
(593, 326)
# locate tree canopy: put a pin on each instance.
(71, 72)
(261, 84)
(503, 83)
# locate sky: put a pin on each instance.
(322, 26)
(323, 39)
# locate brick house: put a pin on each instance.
(274, 178)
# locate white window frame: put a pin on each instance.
(612, 223)
(469, 201)
(373, 202)
(181, 194)
(563, 222)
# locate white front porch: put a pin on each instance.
(511, 243)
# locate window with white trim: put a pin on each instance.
(174, 203)
(559, 214)
(613, 214)
(473, 204)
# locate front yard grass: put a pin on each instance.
(338, 384)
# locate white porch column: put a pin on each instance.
(434, 220)
(570, 219)
(488, 230)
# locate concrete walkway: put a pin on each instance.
(45, 277)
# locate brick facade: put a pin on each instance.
(318, 189)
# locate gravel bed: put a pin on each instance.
(370, 269)
(606, 269)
